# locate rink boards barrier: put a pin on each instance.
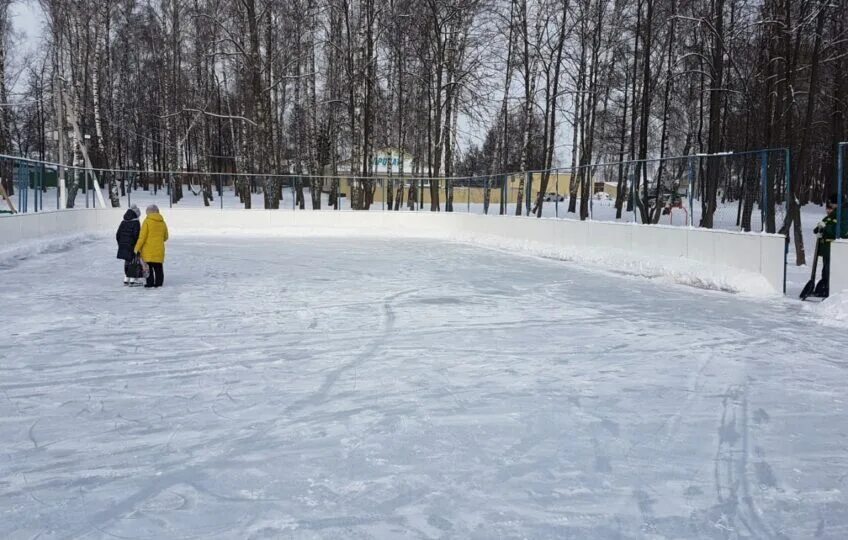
(839, 266)
(757, 253)
(48, 225)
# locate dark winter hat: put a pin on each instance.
(833, 200)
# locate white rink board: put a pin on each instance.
(838, 266)
(758, 254)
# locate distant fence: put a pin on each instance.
(732, 191)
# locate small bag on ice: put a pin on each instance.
(136, 268)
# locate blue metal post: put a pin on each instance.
(40, 198)
(763, 189)
(25, 185)
(25, 182)
(36, 182)
(17, 180)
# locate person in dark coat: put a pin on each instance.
(826, 232)
(127, 236)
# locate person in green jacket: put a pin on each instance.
(826, 233)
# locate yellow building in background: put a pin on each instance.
(467, 190)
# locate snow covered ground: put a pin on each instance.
(368, 388)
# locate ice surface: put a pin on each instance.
(368, 388)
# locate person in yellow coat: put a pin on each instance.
(151, 245)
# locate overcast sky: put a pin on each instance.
(28, 21)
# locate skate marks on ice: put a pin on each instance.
(736, 511)
(481, 405)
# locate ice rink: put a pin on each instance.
(397, 388)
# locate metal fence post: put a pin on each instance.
(633, 194)
(528, 190)
(26, 186)
(763, 189)
(15, 174)
(42, 188)
(60, 185)
(36, 183)
(591, 194)
(468, 194)
(691, 193)
(788, 181)
(840, 172)
(556, 198)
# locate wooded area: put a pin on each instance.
(317, 86)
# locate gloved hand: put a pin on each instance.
(819, 233)
(820, 227)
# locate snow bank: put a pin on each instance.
(13, 254)
(668, 269)
(833, 311)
